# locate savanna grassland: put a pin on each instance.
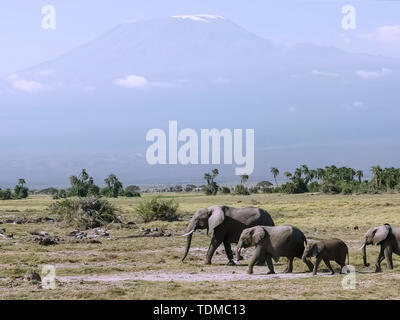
(128, 265)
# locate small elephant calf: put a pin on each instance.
(327, 250)
(271, 243)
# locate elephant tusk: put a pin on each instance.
(186, 234)
(362, 247)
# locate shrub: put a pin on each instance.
(130, 194)
(294, 187)
(85, 212)
(241, 190)
(190, 187)
(158, 209)
(5, 194)
(253, 190)
(225, 190)
(314, 187)
(330, 188)
(267, 190)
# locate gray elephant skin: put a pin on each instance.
(388, 238)
(226, 224)
(327, 250)
(273, 242)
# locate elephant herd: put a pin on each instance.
(251, 226)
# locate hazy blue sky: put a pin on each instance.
(307, 104)
(25, 43)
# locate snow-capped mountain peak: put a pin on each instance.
(200, 17)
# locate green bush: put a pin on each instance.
(85, 213)
(5, 194)
(130, 194)
(241, 190)
(158, 209)
(253, 190)
(225, 190)
(314, 187)
(330, 188)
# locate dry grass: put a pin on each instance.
(319, 216)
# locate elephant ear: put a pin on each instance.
(380, 234)
(216, 217)
(316, 249)
(258, 234)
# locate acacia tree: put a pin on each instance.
(83, 185)
(114, 186)
(212, 187)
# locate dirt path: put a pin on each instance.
(188, 277)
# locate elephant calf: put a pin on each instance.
(327, 250)
(273, 242)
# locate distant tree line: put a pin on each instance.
(329, 180)
(19, 192)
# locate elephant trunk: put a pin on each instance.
(188, 242)
(191, 228)
(364, 254)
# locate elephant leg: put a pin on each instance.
(381, 257)
(328, 264)
(270, 265)
(211, 249)
(309, 264)
(289, 267)
(317, 262)
(229, 254)
(388, 255)
(256, 256)
(341, 264)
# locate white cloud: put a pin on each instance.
(325, 74)
(28, 86)
(385, 34)
(292, 109)
(356, 105)
(132, 81)
(221, 80)
(373, 74)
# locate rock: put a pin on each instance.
(355, 228)
(78, 234)
(48, 240)
(32, 275)
(101, 232)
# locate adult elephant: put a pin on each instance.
(388, 238)
(226, 224)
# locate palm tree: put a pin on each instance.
(377, 172)
(244, 178)
(288, 175)
(21, 182)
(275, 173)
(359, 175)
